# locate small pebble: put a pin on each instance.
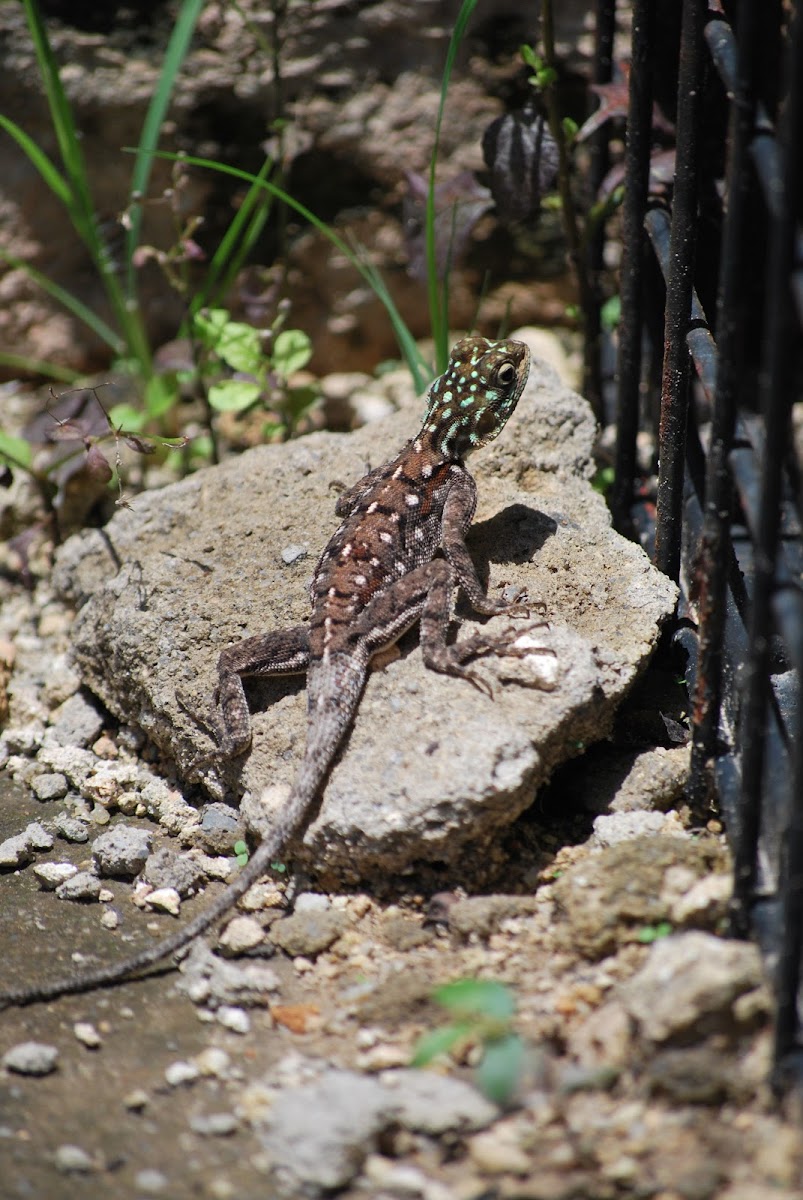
(214, 1124)
(51, 786)
(51, 874)
(31, 1058)
(15, 852)
(181, 1072)
(110, 919)
(241, 934)
(311, 902)
(87, 1034)
(84, 887)
(294, 553)
(73, 1159)
(136, 1100)
(213, 1061)
(235, 1019)
(38, 837)
(151, 1181)
(71, 829)
(164, 900)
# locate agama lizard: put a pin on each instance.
(396, 559)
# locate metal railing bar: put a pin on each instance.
(634, 205)
(675, 376)
(776, 399)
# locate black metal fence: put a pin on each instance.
(710, 359)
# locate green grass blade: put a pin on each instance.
(61, 114)
(417, 367)
(175, 54)
(239, 238)
(80, 205)
(70, 302)
(56, 182)
(37, 366)
(439, 308)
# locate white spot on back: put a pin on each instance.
(360, 580)
(400, 567)
(399, 471)
(417, 447)
(372, 507)
(346, 551)
(385, 536)
(411, 500)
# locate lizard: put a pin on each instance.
(395, 560)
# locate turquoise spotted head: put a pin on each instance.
(470, 403)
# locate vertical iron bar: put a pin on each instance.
(777, 391)
(603, 72)
(637, 174)
(776, 387)
(675, 381)
(712, 561)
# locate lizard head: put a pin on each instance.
(470, 403)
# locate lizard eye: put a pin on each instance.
(506, 374)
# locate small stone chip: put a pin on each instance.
(50, 786)
(220, 1124)
(51, 874)
(31, 1058)
(83, 887)
(71, 829)
(164, 899)
(110, 919)
(87, 1035)
(241, 934)
(294, 553)
(181, 1072)
(233, 1018)
(73, 1160)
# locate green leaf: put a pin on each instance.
(652, 933)
(530, 58)
(15, 450)
(291, 351)
(234, 395)
(161, 394)
(569, 127)
(477, 998)
(128, 418)
(500, 1069)
(208, 324)
(611, 312)
(240, 347)
(438, 1041)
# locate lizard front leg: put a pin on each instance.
(283, 652)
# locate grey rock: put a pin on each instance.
(121, 852)
(38, 837)
(426, 1102)
(15, 851)
(483, 914)
(611, 828)
(22, 739)
(31, 1058)
(50, 786)
(219, 829)
(540, 526)
(151, 1180)
(220, 1124)
(308, 933)
(215, 982)
(291, 554)
(74, 1160)
(51, 874)
(167, 868)
(83, 887)
(320, 1134)
(71, 829)
(689, 982)
(77, 722)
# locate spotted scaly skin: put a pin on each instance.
(396, 559)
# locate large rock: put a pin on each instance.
(431, 763)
